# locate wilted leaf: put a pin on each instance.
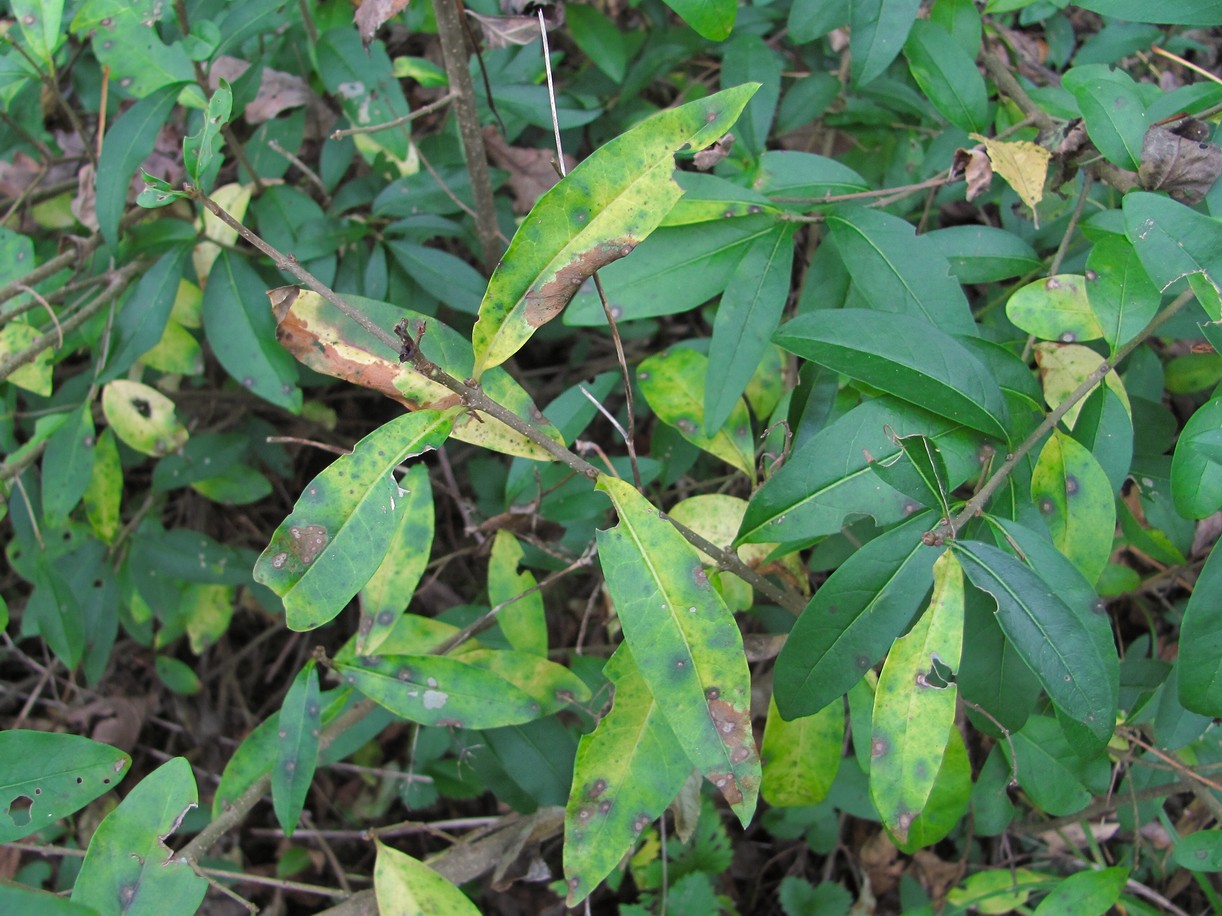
(1023, 165)
(371, 14)
(975, 167)
(1186, 167)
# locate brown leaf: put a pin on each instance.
(1021, 164)
(371, 14)
(518, 28)
(973, 165)
(278, 91)
(531, 172)
(709, 157)
(1179, 161)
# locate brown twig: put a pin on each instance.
(405, 119)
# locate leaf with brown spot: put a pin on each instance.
(598, 213)
(1180, 162)
(326, 340)
(628, 769)
(685, 642)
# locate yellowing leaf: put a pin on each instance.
(1023, 165)
(142, 417)
(405, 887)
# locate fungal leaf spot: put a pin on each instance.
(545, 301)
(308, 542)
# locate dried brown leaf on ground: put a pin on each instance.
(371, 15)
(1180, 161)
(531, 171)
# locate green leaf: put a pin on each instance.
(914, 704)
(1200, 662)
(126, 145)
(982, 254)
(1088, 893)
(918, 471)
(298, 730)
(596, 215)
(711, 19)
(685, 641)
(363, 81)
(672, 382)
(1200, 851)
(1054, 638)
(389, 591)
(747, 58)
(200, 149)
(67, 464)
(675, 270)
(47, 776)
(17, 898)
(1112, 109)
(1182, 12)
(523, 621)
(142, 417)
(105, 491)
(447, 278)
(1074, 496)
(947, 76)
(1120, 292)
(340, 529)
(1174, 241)
(40, 21)
(128, 862)
(144, 316)
(177, 676)
(140, 63)
(801, 757)
(879, 29)
(749, 313)
(948, 800)
(442, 690)
(829, 477)
(854, 617)
(1196, 468)
(628, 770)
(1048, 768)
(242, 332)
(897, 271)
(904, 356)
(598, 39)
(406, 885)
(1055, 308)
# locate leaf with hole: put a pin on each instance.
(143, 418)
(685, 642)
(342, 525)
(597, 214)
(71, 772)
(128, 862)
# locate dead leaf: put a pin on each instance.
(1021, 164)
(1073, 836)
(278, 91)
(84, 204)
(519, 27)
(116, 721)
(710, 156)
(371, 14)
(1180, 161)
(531, 173)
(880, 860)
(936, 875)
(974, 167)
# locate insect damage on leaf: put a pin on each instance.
(546, 300)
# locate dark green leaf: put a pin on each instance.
(144, 315)
(1112, 108)
(1174, 241)
(67, 464)
(879, 29)
(1120, 292)
(854, 617)
(748, 59)
(298, 729)
(1200, 662)
(981, 254)
(1196, 469)
(1182, 12)
(947, 75)
(904, 356)
(362, 80)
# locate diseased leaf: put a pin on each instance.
(1055, 639)
(854, 617)
(914, 704)
(298, 730)
(685, 642)
(327, 341)
(142, 417)
(1055, 308)
(342, 525)
(372, 14)
(72, 771)
(1063, 367)
(405, 885)
(128, 861)
(904, 356)
(1022, 164)
(523, 622)
(388, 592)
(596, 215)
(801, 757)
(1074, 496)
(628, 770)
(1174, 242)
(672, 383)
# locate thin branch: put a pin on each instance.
(999, 70)
(397, 122)
(305, 170)
(977, 503)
